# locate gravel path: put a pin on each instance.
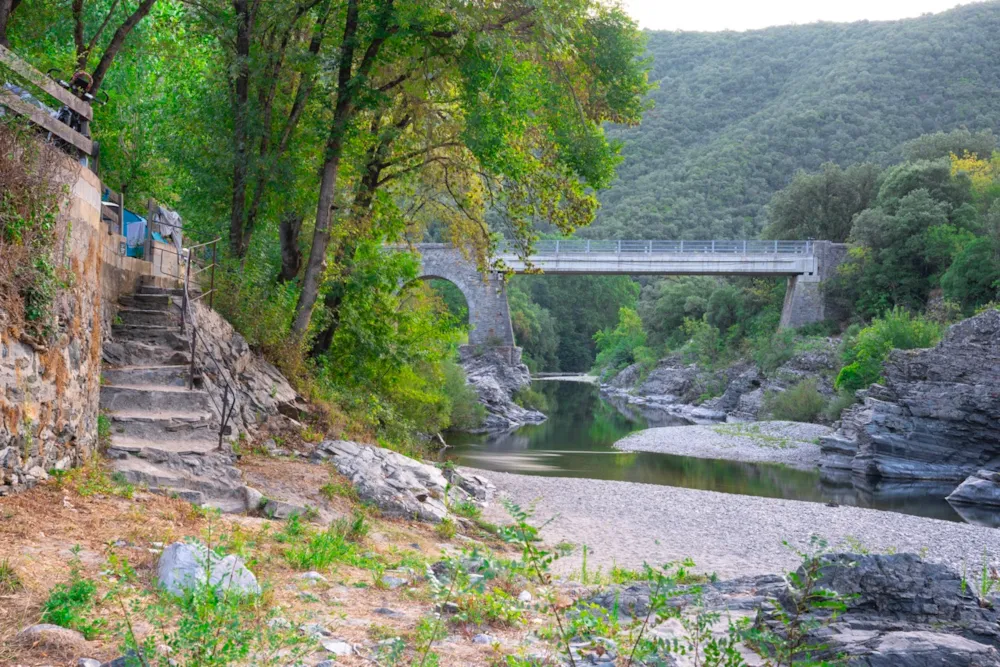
(628, 523)
(791, 443)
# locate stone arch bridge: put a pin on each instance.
(805, 264)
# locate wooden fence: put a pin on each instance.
(37, 83)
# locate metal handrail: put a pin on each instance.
(229, 384)
(728, 247)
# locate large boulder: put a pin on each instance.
(497, 374)
(185, 566)
(936, 416)
(396, 484)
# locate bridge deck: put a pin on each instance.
(762, 258)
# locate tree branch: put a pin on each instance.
(100, 30)
(118, 41)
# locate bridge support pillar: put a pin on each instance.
(486, 296)
(805, 301)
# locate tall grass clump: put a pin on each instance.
(866, 352)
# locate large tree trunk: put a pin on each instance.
(241, 97)
(7, 8)
(118, 41)
(288, 236)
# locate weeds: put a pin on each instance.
(339, 488)
(71, 605)
(446, 529)
(467, 509)
(318, 551)
(10, 581)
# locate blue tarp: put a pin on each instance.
(135, 233)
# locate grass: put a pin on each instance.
(10, 581)
(320, 550)
(446, 529)
(467, 509)
(754, 433)
(71, 604)
(92, 479)
(339, 488)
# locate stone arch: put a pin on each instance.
(489, 315)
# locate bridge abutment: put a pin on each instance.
(805, 302)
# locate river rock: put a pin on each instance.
(184, 566)
(497, 374)
(979, 488)
(398, 485)
(936, 416)
(47, 635)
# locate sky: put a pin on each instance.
(749, 15)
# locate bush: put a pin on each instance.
(770, 351)
(531, 399)
(837, 405)
(71, 605)
(800, 403)
(864, 355)
(466, 412)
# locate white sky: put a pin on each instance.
(749, 14)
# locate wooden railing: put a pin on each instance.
(74, 110)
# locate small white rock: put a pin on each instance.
(338, 648)
(88, 662)
(312, 576)
(524, 597)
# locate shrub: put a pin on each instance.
(840, 402)
(800, 403)
(10, 582)
(865, 354)
(770, 351)
(531, 399)
(466, 411)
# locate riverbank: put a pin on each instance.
(627, 523)
(790, 443)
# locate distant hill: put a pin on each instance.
(736, 114)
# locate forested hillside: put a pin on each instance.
(737, 114)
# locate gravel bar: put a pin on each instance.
(732, 535)
(791, 443)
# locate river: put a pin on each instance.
(577, 439)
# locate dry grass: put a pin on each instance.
(38, 529)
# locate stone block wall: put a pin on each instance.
(49, 392)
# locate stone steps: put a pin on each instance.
(164, 435)
(154, 398)
(175, 375)
(147, 317)
(163, 425)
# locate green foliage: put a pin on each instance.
(531, 399)
(624, 345)
(745, 111)
(705, 344)
(769, 352)
(446, 529)
(840, 402)
(465, 410)
(865, 353)
(801, 402)
(71, 605)
(973, 278)
(310, 550)
(467, 509)
(822, 205)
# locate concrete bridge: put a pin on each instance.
(805, 264)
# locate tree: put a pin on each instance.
(822, 205)
(7, 8)
(943, 144)
(518, 73)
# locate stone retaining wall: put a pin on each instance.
(49, 391)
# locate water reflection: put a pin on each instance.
(576, 441)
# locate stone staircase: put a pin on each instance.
(163, 435)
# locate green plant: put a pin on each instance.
(840, 402)
(493, 607)
(865, 353)
(71, 605)
(10, 582)
(91, 479)
(467, 509)
(801, 402)
(989, 580)
(446, 529)
(339, 488)
(320, 550)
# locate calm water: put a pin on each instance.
(576, 442)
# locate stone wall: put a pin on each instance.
(805, 301)
(49, 392)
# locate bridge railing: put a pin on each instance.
(749, 247)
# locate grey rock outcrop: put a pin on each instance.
(935, 417)
(400, 486)
(979, 488)
(184, 566)
(900, 611)
(497, 373)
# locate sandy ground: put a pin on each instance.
(791, 443)
(626, 523)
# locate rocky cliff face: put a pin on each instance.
(936, 416)
(497, 373)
